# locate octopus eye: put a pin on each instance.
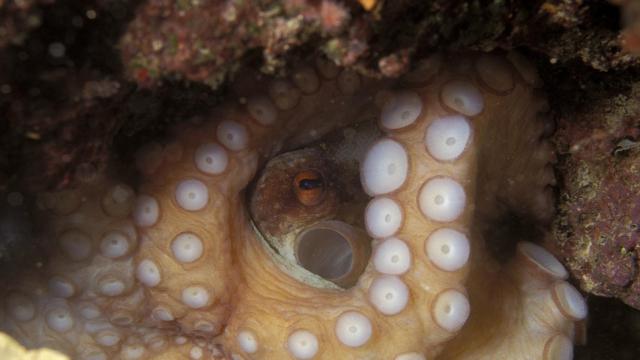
(309, 187)
(305, 207)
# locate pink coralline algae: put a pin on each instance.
(206, 40)
(600, 204)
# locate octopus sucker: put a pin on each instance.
(323, 215)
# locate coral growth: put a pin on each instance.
(599, 232)
(205, 40)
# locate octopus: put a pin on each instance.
(324, 215)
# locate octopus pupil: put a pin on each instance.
(310, 184)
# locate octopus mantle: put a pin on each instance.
(173, 263)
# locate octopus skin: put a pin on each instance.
(176, 265)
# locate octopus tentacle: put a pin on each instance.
(537, 310)
(84, 301)
(528, 293)
(188, 271)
